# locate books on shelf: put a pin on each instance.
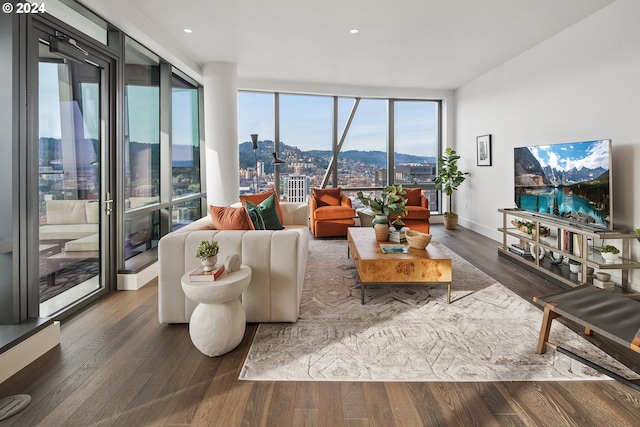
(519, 250)
(199, 275)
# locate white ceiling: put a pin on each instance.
(434, 44)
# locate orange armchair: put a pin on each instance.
(418, 212)
(331, 213)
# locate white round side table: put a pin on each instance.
(218, 322)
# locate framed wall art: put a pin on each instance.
(484, 150)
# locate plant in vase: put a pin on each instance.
(609, 253)
(448, 180)
(207, 253)
(574, 265)
(390, 202)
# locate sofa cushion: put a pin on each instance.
(327, 196)
(66, 212)
(256, 199)
(264, 216)
(413, 196)
(333, 213)
(88, 243)
(417, 212)
(228, 218)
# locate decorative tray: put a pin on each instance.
(390, 248)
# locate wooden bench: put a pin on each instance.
(614, 316)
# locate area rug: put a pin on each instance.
(410, 333)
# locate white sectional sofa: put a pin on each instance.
(278, 260)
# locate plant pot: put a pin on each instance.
(380, 219)
(574, 268)
(382, 232)
(450, 222)
(609, 256)
(208, 264)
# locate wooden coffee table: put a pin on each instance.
(426, 266)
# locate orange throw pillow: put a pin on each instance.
(256, 199)
(328, 196)
(226, 218)
(413, 196)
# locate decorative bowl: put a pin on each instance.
(417, 240)
(603, 276)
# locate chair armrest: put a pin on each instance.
(424, 201)
(345, 201)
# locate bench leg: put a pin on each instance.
(547, 318)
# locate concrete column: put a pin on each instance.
(221, 132)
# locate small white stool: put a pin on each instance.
(218, 323)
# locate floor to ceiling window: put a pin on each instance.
(185, 153)
(362, 161)
(377, 141)
(255, 117)
(416, 144)
(162, 179)
(306, 136)
(141, 150)
(71, 140)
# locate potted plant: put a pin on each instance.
(207, 253)
(390, 202)
(609, 253)
(449, 179)
(574, 265)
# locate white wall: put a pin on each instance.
(582, 84)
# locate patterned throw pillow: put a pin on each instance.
(264, 216)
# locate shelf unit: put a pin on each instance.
(566, 240)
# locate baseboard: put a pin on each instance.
(135, 281)
(24, 353)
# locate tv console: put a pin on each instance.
(548, 252)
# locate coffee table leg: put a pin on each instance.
(449, 293)
(361, 292)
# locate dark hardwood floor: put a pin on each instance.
(117, 366)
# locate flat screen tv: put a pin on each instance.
(568, 181)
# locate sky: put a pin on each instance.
(142, 107)
(306, 122)
(589, 154)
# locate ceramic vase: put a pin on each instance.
(380, 219)
(382, 232)
(209, 263)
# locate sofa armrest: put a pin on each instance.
(294, 213)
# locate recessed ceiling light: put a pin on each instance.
(188, 30)
(354, 31)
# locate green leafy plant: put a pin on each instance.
(207, 249)
(638, 231)
(390, 201)
(610, 248)
(449, 176)
(574, 262)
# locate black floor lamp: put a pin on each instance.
(254, 140)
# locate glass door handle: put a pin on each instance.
(108, 204)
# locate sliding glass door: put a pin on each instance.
(74, 203)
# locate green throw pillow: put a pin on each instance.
(264, 216)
